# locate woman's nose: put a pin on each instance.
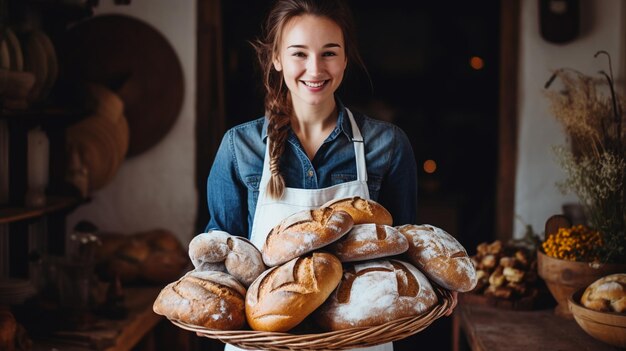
(315, 65)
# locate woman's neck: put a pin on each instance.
(313, 124)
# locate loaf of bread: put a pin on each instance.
(440, 257)
(220, 251)
(8, 329)
(210, 299)
(155, 256)
(283, 296)
(375, 292)
(369, 241)
(362, 210)
(303, 232)
(607, 294)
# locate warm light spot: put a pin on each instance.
(477, 63)
(430, 166)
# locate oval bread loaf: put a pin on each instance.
(283, 296)
(213, 300)
(220, 251)
(369, 241)
(607, 294)
(375, 292)
(303, 232)
(362, 210)
(440, 257)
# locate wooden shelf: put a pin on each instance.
(54, 204)
(47, 116)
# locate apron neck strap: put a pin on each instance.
(359, 152)
(359, 149)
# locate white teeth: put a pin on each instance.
(313, 85)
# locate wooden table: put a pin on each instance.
(109, 335)
(489, 328)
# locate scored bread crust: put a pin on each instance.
(283, 296)
(369, 241)
(440, 256)
(217, 250)
(362, 210)
(606, 294)
(375, 292)
(304, 232)
(213, 300)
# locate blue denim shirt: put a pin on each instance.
(233, 182)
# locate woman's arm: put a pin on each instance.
(226, 194)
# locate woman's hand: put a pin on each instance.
(454, 302)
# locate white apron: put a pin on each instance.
(269, 212)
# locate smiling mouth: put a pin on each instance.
(317, 84)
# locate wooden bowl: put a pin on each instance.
(608, 327)
(564, 277)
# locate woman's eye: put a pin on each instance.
(329, 53)
(298, 54)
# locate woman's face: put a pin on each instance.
(312, 59)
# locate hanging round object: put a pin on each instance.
(134, 60)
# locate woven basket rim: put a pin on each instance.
(344, 339)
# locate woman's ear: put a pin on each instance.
(277, 65)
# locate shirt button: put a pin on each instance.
(310, 172)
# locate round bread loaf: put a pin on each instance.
(303, 232)
(283, 296)
(8, 329)
(375, 292)
(362, 210)
(369, 241)
(213, 300)
(220, 251)
(607, 294)
(440, 257)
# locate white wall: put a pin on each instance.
(536, 196)
(155, 189)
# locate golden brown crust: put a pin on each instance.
(607, 294)
(213, 300)
(369, 241)
(303, 232)
(362, 210)
(375, 292)
(283, 296)
(440, 257)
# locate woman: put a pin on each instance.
(309, 148)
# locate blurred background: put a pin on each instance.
(112, 111)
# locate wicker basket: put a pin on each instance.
(336, 340)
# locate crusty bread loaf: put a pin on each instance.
(369, 241)
(213, 300)
(283, 296)
(440, 257)
(8, 329)
(607, 294)
(375, 292)
(303, 232)
(220, 251)
(362, 210)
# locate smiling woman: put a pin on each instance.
(309, 148)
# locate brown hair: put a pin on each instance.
(278, 107)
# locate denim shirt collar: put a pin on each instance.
(343, 124)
